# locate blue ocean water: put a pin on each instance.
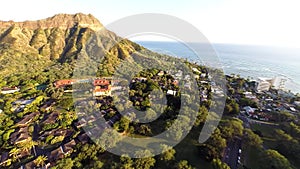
(245, 60)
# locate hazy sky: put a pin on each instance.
(260, 22)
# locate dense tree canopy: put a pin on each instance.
(273, 159)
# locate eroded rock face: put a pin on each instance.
(57, 37)
(62, 38)
(62, 21)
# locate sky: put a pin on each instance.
(252, 22)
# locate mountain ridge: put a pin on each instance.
(57, 39)
(64, 21)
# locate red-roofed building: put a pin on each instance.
(101, 82)
(102, 86)
(62, 83)
(102, 90)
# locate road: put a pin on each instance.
(232, 151)
(232, 154)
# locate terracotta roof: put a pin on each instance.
(60, 83)
(51, 118)
(57, 132)
(28, 118)
(56, 154)
(19, 136)
(64, 82)
(101, 82)
(68, 147)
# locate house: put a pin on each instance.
(204, 82)
(91, 118)
(23, 102)
(116, 88)
(68, 147)
(264, 84)
(249, 95)
(217, 90)
(48, 105)
(297, 103)
(203, 75)
(51, 118)
(20, 136)
(187, 77)
(249, 110)
(9, 90)
(141, 79)
(269, 100)
(63, 83)
(175, 82)
(161, 73)
(101, 82)
(1, 111)
(103, 90)
(81, 123)
(196, 70)
(171, 92)
(24, 154)
(56, 154)
(102, 87)
(289, 107)
(27, 119)
(57, 132)
(187, 85)
(179, 74)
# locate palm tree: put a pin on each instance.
(60, 116)
(28, 144)
(40, 161)
(14, 153)
(218, 164)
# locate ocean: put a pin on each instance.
(247, 61)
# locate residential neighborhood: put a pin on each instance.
(50, 128)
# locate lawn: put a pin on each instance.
(187, 149)
(252, 155)
(269, 143)
(266, 130)
(268, 134)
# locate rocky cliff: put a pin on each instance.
(58, 39)
(62, 21)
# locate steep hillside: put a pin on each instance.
(33, 46)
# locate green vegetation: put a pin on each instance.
(42, 126)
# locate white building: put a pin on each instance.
(196, 70)
(10, 90)
(249, 110)
(161, 73)
(179, 74)
(297, 103)
(264, 84)
(249, 95)
(171, 92)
